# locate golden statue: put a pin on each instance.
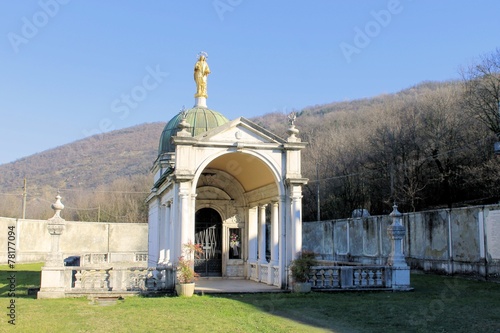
(201, 71)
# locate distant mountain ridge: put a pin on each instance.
(87, 163)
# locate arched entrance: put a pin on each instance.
(208, 233)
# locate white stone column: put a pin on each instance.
(282, 258)
(262, 234)
(53, 278)
(153, 246)
(274, 241)
(55, 227)
(252, 234)
(184, 220)
(400, 269)
(168, 232)
(192, 212)
(296, 221)
(176, 226)
(275, 233)
(161, 234)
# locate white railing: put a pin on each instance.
(114, 257)
(83, 280)
(356, 277)
(94, 258)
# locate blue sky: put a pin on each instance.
(67, 66)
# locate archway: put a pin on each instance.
(208, 233)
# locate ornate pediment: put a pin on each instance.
(240, 130)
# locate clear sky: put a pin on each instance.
(72, 68)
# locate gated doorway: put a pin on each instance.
(208, 233)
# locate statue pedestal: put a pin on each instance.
(52, 284)
(200, 102)
(401, 278)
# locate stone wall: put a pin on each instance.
(463, 241)
(122, 242)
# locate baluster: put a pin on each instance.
(370, 277)
(78, 279)
(356, 277)
(328, 278)
(363, 278)
(336, 282)
(313, 279)
(378, 277)
(321, 275)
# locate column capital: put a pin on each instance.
(167, 203)
(296, 181)
(183, 177)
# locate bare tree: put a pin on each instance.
(482, 90)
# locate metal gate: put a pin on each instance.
(208, 233)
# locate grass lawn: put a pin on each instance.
(438, 304)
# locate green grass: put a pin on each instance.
(438, 304)
(27, 276)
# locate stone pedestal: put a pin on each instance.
(52, 285)
(200, 102)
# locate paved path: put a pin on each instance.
(219, 286)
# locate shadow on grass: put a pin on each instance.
(18, 282)
(437, 304)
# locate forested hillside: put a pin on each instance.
(425, 147)
(106, 175)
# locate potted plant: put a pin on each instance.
(185, 272)
(300, 269)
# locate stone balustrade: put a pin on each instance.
(265, 273)
(346, 277)
(118, 280)
(112, 258)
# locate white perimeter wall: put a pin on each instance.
(461, 240)
(33, 239)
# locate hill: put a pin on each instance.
(87, 163)
(419, 147)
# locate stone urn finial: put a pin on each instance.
(292, 130)
(183, 125)
(57, 207)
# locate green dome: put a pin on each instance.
(200, 120)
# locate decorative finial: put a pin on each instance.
(183, 112)
(183, 125)
(291, 118)
(57, 207)
(395, 212)
(292, 131)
